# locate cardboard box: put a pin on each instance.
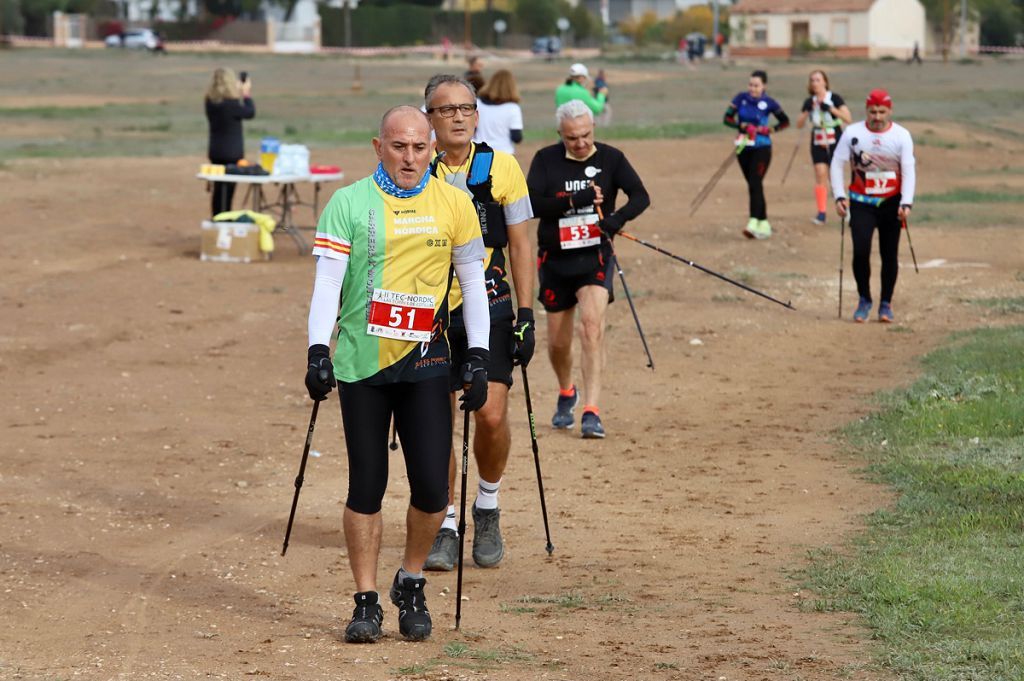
(231, 242)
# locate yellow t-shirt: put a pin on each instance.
(509, 190)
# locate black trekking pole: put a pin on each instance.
(842, 244)
(536, 460)
(632, 308)
(911, 244)
(394, 434)
(302, 472)
(661, 250)
(462, 518)
(710, 185)
(792, 157)
(629, 298)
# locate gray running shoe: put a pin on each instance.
(444, 554)
(563, 418)
(366, 619)
(488, 547)
(413, 617)
(590, 425)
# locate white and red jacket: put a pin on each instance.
(882, 163)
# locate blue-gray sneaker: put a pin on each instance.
(488, 546)
(885, 314)
(863, 311)
(590, 425)
(563, 418)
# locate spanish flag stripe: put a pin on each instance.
(333, 245)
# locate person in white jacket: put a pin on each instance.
(881, 195)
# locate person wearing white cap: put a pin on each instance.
(575, 87)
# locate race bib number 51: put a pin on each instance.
(579, 231)
(401, 316)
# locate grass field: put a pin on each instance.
(938, 575)
(54, 106)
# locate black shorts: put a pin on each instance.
(563, 274)
(423, 418)
(820, 154)
(499, 368)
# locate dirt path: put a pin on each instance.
(155, 417)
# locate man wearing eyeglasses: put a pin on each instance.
(495, 182)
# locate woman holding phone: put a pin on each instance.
(228, 102)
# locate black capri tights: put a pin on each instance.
(863, 221)
(754, 162)
(423, 416)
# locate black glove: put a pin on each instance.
(611, 225)
(474, 380)
(320, 373)
(584, 197)
(524, 339)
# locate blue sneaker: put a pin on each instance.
(863, 310)
(820, 219)
(590, 426)
(885, 313)
(563, 418)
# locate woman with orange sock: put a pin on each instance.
(827, 112)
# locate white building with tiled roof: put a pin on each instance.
(852, 28)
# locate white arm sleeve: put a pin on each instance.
(838, 167)
(475, 310)
(908, 170)
(323, 308)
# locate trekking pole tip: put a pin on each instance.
(550, 548)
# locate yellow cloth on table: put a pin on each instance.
(265, 222)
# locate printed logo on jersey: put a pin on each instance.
(762, 105)
(591, 171)
(576, 185)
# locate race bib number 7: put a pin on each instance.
(579, 231)
(401, 316)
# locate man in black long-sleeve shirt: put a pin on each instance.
(573, 188)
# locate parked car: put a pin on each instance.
(549, 45)
(136, 39)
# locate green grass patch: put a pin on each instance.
(50, 112)
(1001, 305)
(567, 600)
(972, 196)
(938, 576)
(675, 130)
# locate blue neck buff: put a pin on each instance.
(388, 186)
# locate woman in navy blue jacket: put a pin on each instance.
(750, 112)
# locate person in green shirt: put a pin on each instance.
(575, 87)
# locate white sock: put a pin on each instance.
(450, 521)
(487, 494)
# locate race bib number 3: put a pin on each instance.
(401, 316)
(579, 231)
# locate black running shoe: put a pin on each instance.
(366, 619)
(413, 616)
